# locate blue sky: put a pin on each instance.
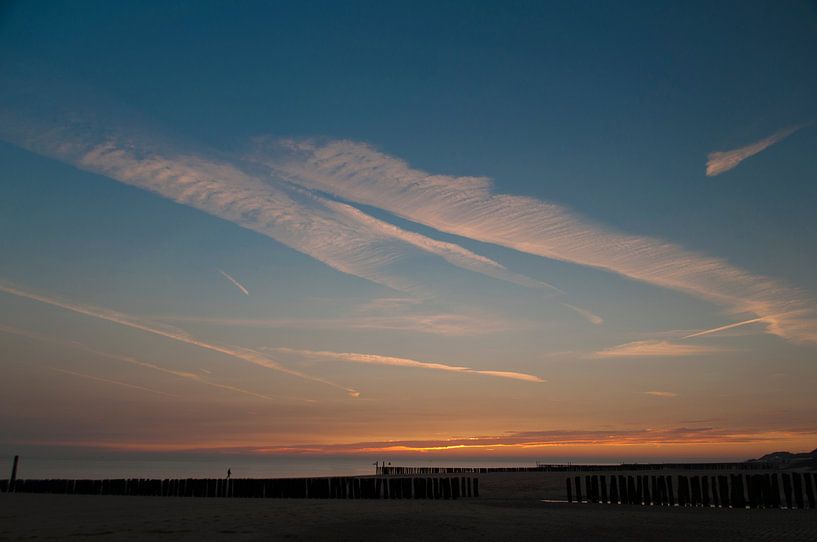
(517, 194)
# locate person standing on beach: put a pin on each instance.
(229, 472)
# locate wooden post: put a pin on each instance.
(798, 489)
(705, 491)
(13, 477)
(613, 490)
(622, 490)
(809, 491)
(787, 489)
(697, 498)
(569, 490)
(683, 491)
(647, 492)
(603, 481)
(723, 491)
(578, 482)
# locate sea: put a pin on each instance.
(98, 466)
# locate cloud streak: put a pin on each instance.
(467, 206)
(332, 232)
(242, 354)
(724, 328)
(443, 324)
(375, 359)
(279, 189)
(109, 381)
(722, 161)
(235, 282)
(664, 394)
(656, 349)
(584, 313)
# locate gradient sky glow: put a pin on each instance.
(445, 228)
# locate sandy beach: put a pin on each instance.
(510, 507)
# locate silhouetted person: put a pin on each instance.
(229, 473)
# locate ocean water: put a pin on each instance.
(215, 466)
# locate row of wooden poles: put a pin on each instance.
(733, 490)
(287, 488)
(408, 471)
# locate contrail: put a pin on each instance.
(109, 381)
(722, 161)
(376, 359)
(234, 281)
(724, 328)
(592, 318)
(243, 354)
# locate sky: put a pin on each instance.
(534, 230)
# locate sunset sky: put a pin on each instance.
(538, 230)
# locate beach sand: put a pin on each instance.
(510, 508)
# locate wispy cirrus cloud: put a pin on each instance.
(235, 282)
(242, 354)
(376, 359)
(657, 349)
(722, 161)
(586, 314)
(332, 232)
(467, 206)
(185, 375)
(664, 394)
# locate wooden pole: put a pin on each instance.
(13, 477)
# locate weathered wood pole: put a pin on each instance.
(631, 491)
(569, 490)
(809, 490)
(771, 494)
(705, 491)
(723, 490)
(647, 491)
(798, 489)
(13, 477)
(639, 489)
(736, 495)
(613, 490)
(716, 501)
(670, 493)
(787, 489)
(696, 491)
(578, 482)
(603, 489)
(662, 491)
(683, 491)
(623, 494)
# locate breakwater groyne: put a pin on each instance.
(339, 487)
(387, 470)
(767, 490)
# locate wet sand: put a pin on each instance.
(510, 508)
